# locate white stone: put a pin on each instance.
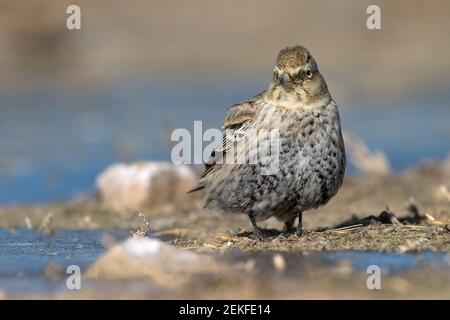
(165, 265)
(143, 185)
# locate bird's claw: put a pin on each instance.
(259, 236)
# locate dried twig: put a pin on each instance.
(143, 230)
(432, 220)
(346, 228)
(46, 225)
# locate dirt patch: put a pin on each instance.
(391, 217)
(369, 213)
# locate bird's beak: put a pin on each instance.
(285, 79)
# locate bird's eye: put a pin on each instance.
(308, 73)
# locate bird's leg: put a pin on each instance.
(256, 230)
(300, 224)
(289, 225)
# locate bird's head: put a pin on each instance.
(296, 79)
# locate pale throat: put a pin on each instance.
(296, 100)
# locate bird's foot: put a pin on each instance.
(288, 228)
(259, 235)
(286, 232)
(257, 232)
(299, 232)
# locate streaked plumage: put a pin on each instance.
(311, 159)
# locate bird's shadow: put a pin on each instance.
(385, 217)
(267, 233)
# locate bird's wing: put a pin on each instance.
(236, 125)
(241, 112)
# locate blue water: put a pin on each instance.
(53, 143)
(26, 253)
(389, 262)
(35, 250)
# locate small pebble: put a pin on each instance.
(278, 262)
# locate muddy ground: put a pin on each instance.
(369, 213)
(379, 214)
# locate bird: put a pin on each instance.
(306, 160)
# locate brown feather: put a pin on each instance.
(237, 116)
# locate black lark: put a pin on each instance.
(308, 166)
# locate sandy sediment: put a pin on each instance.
(384, 213)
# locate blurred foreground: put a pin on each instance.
(207, 255)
